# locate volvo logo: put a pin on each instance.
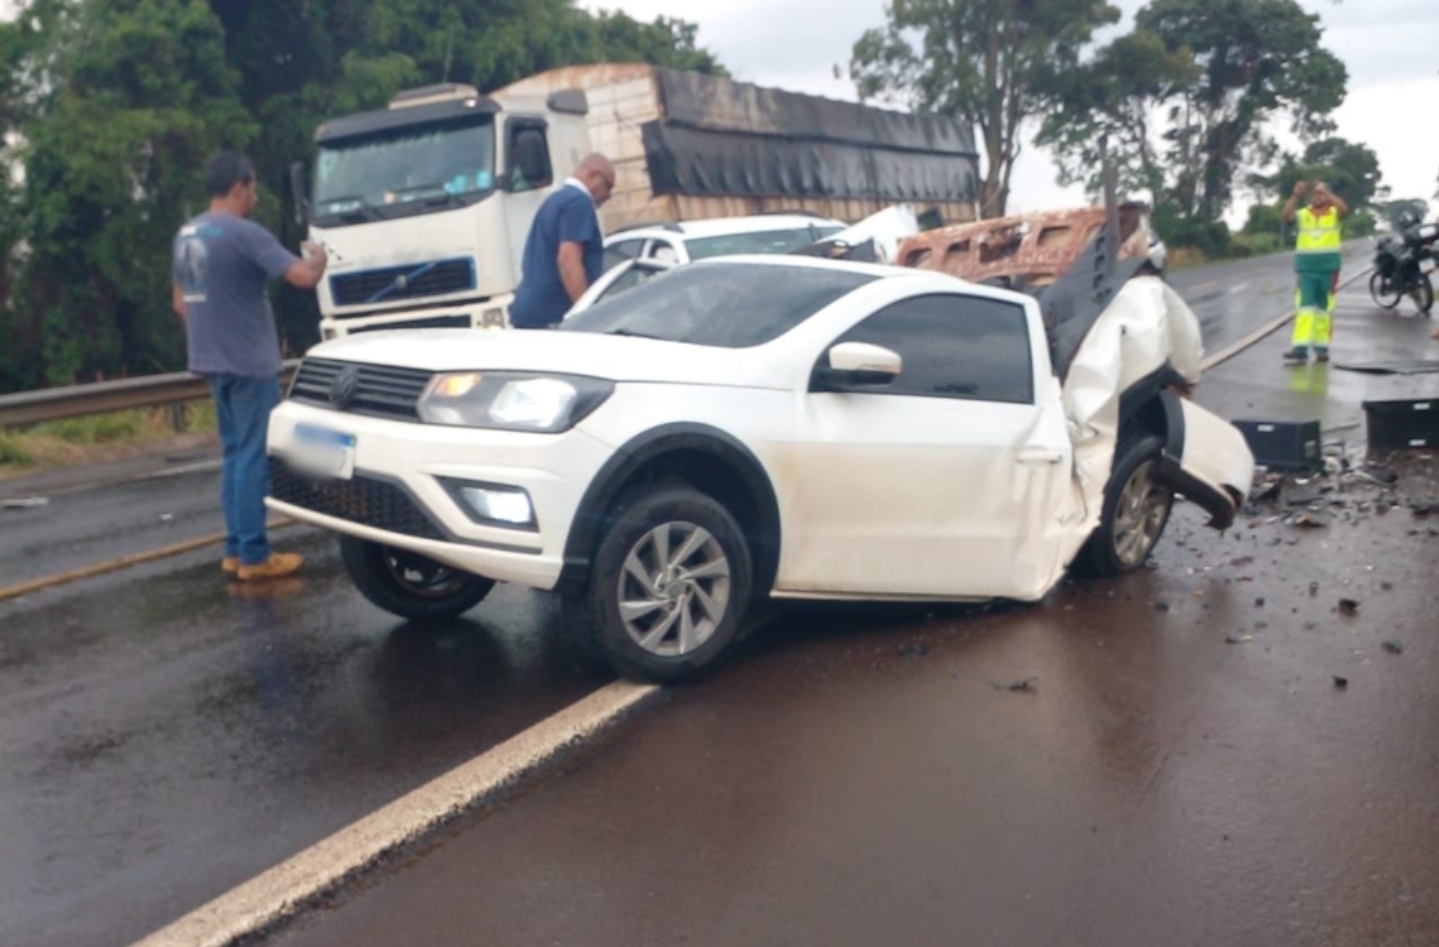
(343, 388)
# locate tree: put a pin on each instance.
(1255, 58)
(1393, 212)
(1188, 98)
(130, 98)
(109, 109)
(1350, 169)
(988, 61)
(1117, 94)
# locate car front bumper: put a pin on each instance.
(404, 490)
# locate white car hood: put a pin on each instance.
(618, 358)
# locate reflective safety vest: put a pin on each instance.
(1319, 233)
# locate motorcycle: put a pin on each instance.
(1399, 261)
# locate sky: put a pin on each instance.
(1390, 47)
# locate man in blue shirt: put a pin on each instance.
(223, 264)
(564, 252)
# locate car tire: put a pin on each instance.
(668, 588)
(1136, 510)
(410, 585)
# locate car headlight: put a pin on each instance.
(510, 401)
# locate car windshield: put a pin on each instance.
(728, 305)
(406, 171)
(759, 241)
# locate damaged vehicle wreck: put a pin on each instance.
(760, 427)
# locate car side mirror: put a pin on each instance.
(532, 156)
(853, 364)
(300, 192)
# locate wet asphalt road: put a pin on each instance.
(1169, 758)
(166, 739)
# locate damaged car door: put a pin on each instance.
(931, 456)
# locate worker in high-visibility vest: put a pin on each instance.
(1316, 263)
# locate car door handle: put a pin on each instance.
(1039, 457)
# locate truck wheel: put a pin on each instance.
(408, 584)
(1136, 510)
(669, 586)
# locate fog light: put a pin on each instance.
(508, 505)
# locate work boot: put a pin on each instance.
(1321, 353)
(230, 565)
(279, 564)
(1300, 353)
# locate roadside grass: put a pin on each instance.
(97, 437)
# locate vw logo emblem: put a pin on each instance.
(343, 388)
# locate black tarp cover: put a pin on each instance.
(722, 138)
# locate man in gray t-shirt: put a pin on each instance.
(223, 264)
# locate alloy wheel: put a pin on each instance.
(674, 589)
(1140, 516)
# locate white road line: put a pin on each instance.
(286, 889)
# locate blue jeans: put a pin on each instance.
(242, 407)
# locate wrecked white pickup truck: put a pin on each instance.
(755, 427)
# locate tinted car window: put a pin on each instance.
(962, 347)
(726, 305)
(762, 241)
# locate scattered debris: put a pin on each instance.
(1024, 684)
(1313, 588)
(1348, 606)
(24, 503)
(1238, 639)
(1161, 606)
(1302, 495)
(1259, 603)
(1394, 646)
(1312, 519)
(1387, 586)
(913, 649)
(1341, 682)
(166, 517)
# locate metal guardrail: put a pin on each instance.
(74, 401)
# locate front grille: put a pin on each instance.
(382, 390)
(412, 281)
(430, 322)
(361, 499)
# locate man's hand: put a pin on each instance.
(315, 251)
(307, 273)
(1300, 187)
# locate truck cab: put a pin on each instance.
(424, 207)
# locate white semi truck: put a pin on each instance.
(424, 206)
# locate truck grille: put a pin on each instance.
(364, 500)
(412, 281)
(379, 390)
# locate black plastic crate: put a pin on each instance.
(1284, 445)
(1401, 425)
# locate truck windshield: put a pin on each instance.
(404, 172)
